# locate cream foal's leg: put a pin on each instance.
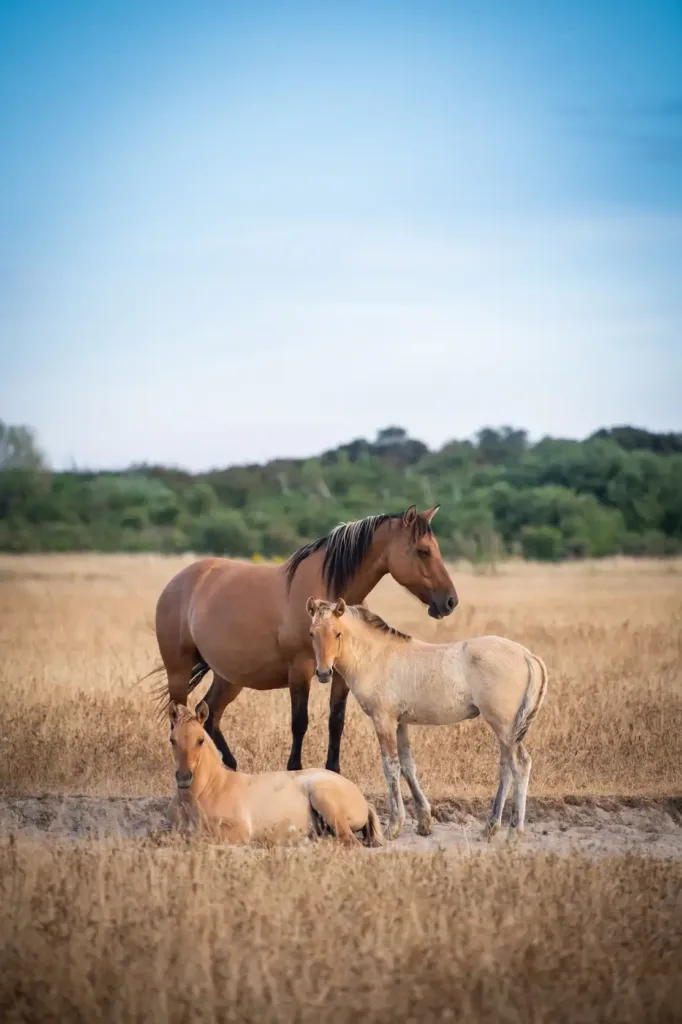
(506, 775)
(521, 768)
(386, 734)
(410, 772)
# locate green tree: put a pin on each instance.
(19, 448)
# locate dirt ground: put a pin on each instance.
(590, 826)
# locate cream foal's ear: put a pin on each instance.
(339, 607)
(201, 711)
(311, 606)
(173, 712)
(430, 513)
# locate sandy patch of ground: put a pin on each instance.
(594, 826)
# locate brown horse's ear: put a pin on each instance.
(201, 711)
(311, 606)
(410, 517)
(339, 607)
(173, 712)
(430, 513)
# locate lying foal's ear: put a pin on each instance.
(173, 712)
(339, 607)
(410, 516)
(311, 606)
(201, 712)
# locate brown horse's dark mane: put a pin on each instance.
(359, 611)
(345, 549)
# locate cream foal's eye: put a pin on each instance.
(338, 636)
(200, 742)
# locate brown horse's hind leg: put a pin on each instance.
(220, 694)
(337, 717)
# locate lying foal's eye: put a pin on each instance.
(338, 636)
(172, 739)
(310, 635)
(200, 742)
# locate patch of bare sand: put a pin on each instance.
(592, 826)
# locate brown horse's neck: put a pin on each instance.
(373, 567)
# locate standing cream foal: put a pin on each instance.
(398, 680)
(273, 806)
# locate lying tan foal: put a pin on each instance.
(274, 806)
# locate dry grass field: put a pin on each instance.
(134, 924)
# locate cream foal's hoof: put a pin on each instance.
(489, 830)
(424, 826)
(394, 829)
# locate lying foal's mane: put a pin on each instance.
(345, 549)
(358, 611)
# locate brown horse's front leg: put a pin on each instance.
(299, 689)
(337, 717)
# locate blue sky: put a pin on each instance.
(235, 231)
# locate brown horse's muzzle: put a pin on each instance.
(443, 604)
(324, 675)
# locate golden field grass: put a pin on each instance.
(76, 635)
(171, 934)
(160, 929)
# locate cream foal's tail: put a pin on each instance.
(532, 698)
(371, 833)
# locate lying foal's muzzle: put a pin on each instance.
(184, 779)
(324, 674)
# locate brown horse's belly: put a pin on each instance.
(234, 620)
(246, 666)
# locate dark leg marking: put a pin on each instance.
(299, 725)
(216, 735)
(337, 718)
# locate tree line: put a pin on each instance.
(617, 491)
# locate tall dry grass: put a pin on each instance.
(137, 933)
(169, 931)
(76, 634)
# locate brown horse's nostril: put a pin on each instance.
(324, 676)
(451, 603)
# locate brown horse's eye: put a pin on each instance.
(423, 552)
(311, 636)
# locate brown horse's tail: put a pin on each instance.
(159, 691)
(372, 834)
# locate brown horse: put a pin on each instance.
(248, 623)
